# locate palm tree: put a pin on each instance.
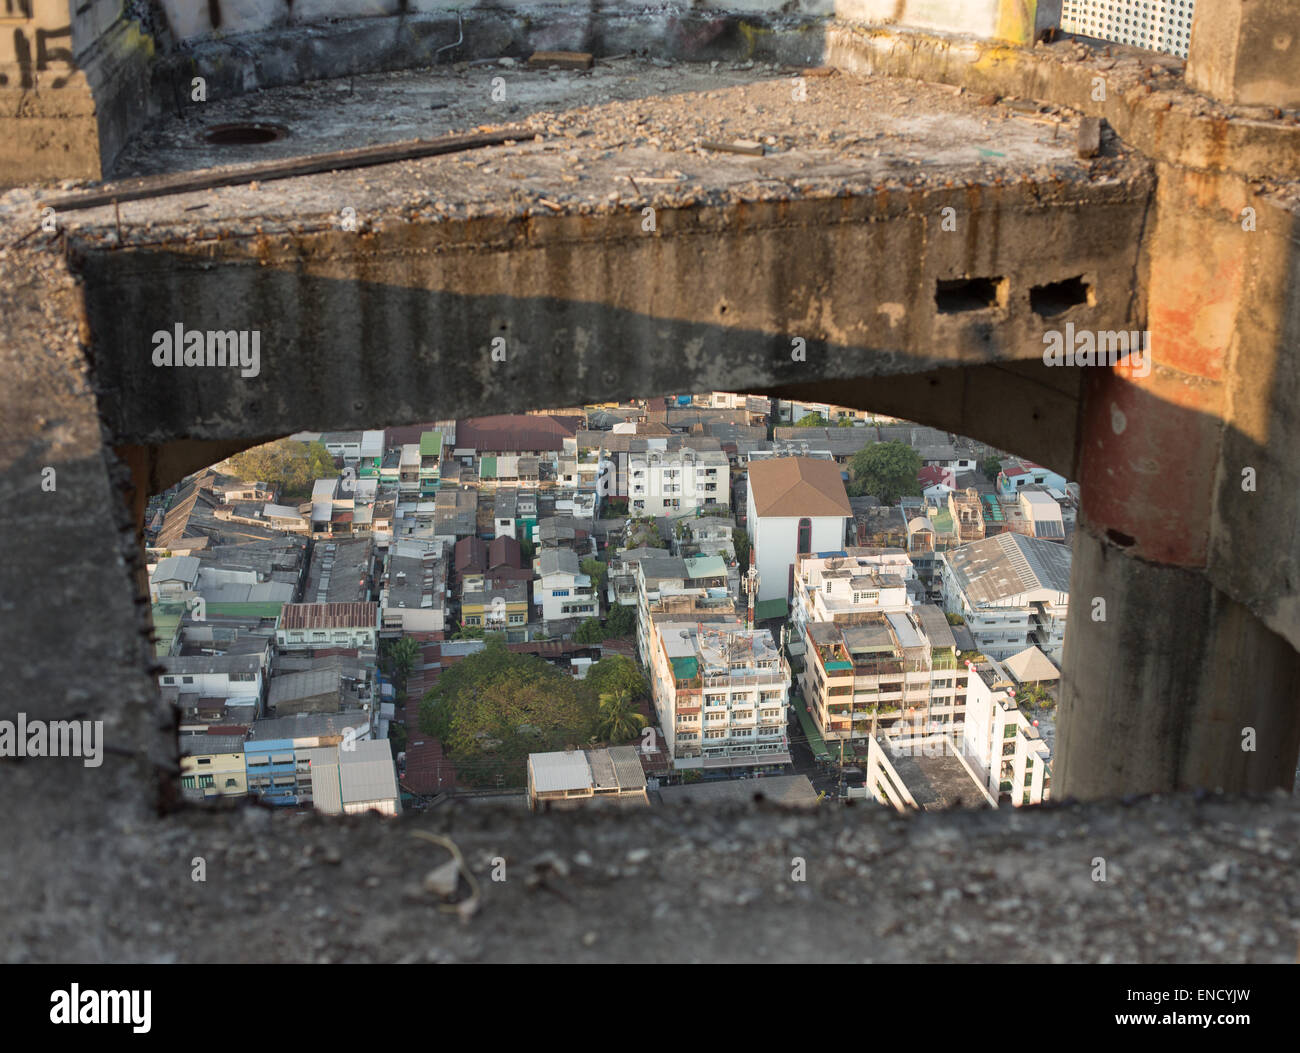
(618, 720)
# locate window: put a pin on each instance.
(187, 680)
(805, 537)
(169, 680)
(205, 781)
(204, 760)
(559, 592)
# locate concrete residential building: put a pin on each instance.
(430, 474)
(794, 506)
(665, 482)
(413, 590)
(233, 678)
(912, 769)
(1000, 742)
(707, 536)
(566, 778)
(496, 605)
(212, 766)
(562, 590)
(1012, 590)
(874, 658)
(1017, 473)
(720, 692)
(278, 752)
(311, 625)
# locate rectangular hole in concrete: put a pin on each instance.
(1058, 297)
(955, 295)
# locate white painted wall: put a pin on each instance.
(776, 542)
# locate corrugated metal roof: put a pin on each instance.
(367, 772)
(326, 791)
(552, 772)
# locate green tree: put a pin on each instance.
(617, 719)
(617, 673)
(886, 470)
(527, 552)
(396, 738)
(290, 466)
(621, 620)
(740, 540)
(991, 467)
(846, 422)
(596, 570)
(812, 420)
(954, 619)
(589, 632)
(468, 632)
(403, 654)
(493, 708)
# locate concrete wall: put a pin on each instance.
(1003, 19)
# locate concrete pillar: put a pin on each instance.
(1178, 688)
(1181, 667)
(1246, 51)
(73, 88)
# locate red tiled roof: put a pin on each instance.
(505, 552)
(406, 434)
(786, 487)
(931, 476)
(519, 432)
(471, 553)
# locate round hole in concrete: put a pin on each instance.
(243, 133)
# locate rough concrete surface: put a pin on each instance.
(828, 234)
(547, 243)
(1185, 881)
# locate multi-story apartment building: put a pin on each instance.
(1000, 742)
(668, 482)
(874, 657)
(721, 691)
(1012, 591)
